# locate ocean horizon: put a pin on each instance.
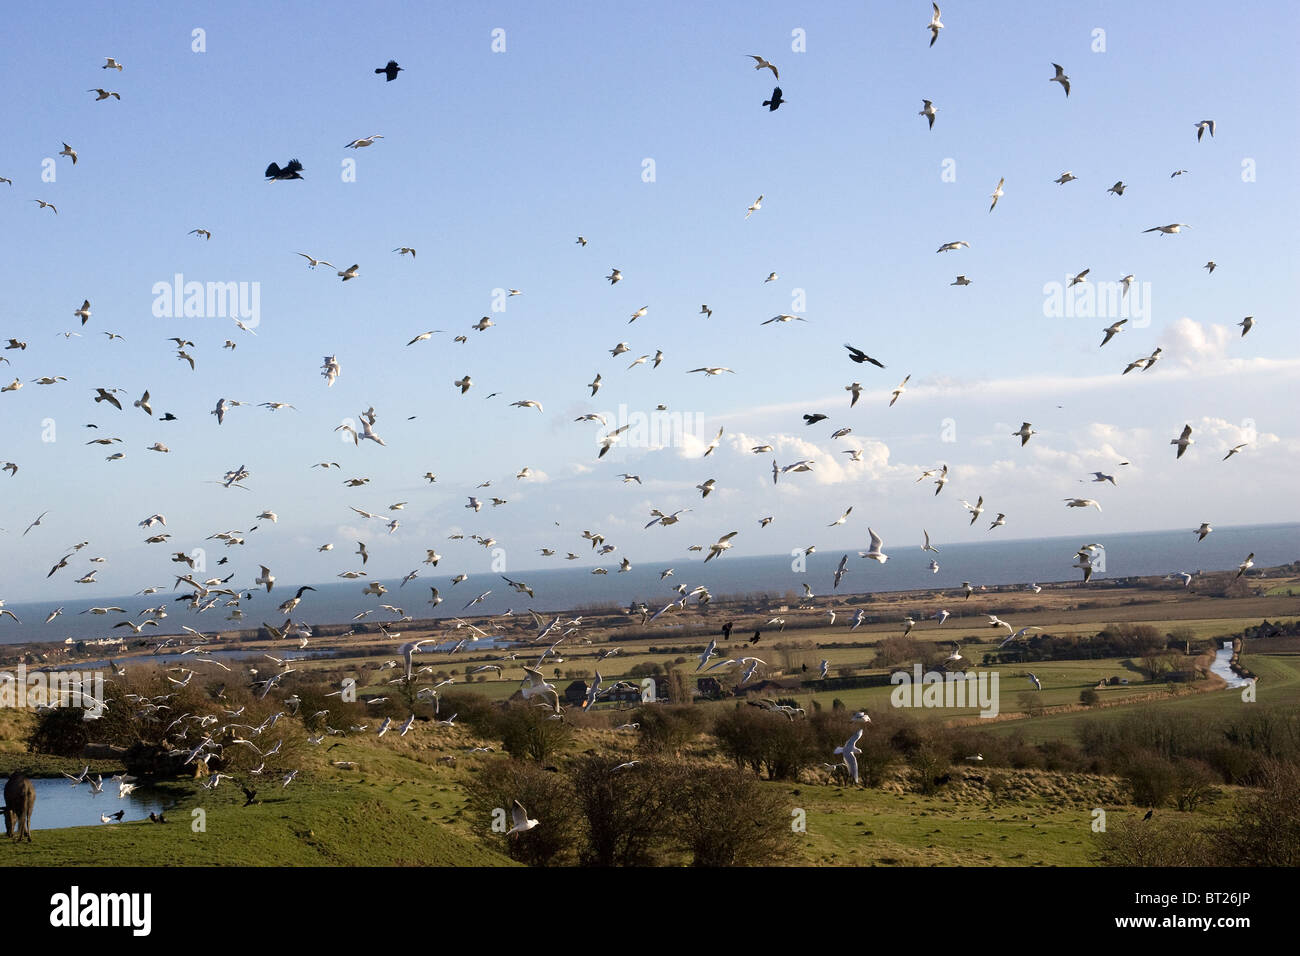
(569, 588)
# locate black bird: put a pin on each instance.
(757, 635)
(248, 796)
(726, 630)
(117, 816)
(168, 417)
(157, 817)
(292, 171)
(1149, 813)
(860, 356)
(814, 419)
(390, 71)
(775, 101)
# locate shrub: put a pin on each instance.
(1265, 829)
(1089, 697)
(1157, 842)
(528, 731)
(667, 728)
(726, 818)
(548, 798)
(1151, 778)
(1193, 784)
(627, 814)
(60, 731)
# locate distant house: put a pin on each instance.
(575, 693)
(708, 687)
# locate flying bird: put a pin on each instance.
(1061, 78)
(760, 63)
(775, 101)
(390, 70)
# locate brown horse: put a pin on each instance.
(20, 797)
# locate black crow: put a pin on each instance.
(169, 417)
(249, 795)
(1149, 813)
(775, 101)
(813, 419)
(292, 171)
(390, 71)
(860, 356)
(757, 635)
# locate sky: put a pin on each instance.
(515, 128)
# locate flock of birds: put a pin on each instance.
(227, 591)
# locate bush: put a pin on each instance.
(1156, 842)
(548, 798)
(60, 731)
(1265, 830)
(1151, 778)
(667, 728)
(726, 818)
(767, 742)
(930, 763)
(1089, 697)
(528, 731)
(1193, 784)
(628, 814)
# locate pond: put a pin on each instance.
(60, 804)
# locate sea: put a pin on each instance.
(566, 587)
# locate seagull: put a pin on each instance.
(999, 521)
(710, 371)
(202, 233)
(423, 336)
(1183, 440)
(111, 64)
(952, 246)
(1038, 685)
(1061, 78)
(1211, 265)
(997, 193)
(874, 552)
(1025, 431)
(349, 273)
(519, 817)
(721, 545)
(705, 310)
(934, 28)
(1247, 324)
(104, 94)
(1169, 230)
(960, 280)
(1082, 276)
(69, 152)
(368, 141)
(1099, 477)
(1246, 565)
(784, 317)
(850, 752)
(928, 111)
(754, 207)
(760, 63)
(898, 390)
(83, 312)
(1118, 188)
(1113, 329)
(638, 314)
(975, 510)
(842, 518)
(1203, 530)
(48, 205)
(1066, 177)
(1235, 449)
(1081, 503)
(313, 263)
(1202, 126)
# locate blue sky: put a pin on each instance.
(492, 163)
